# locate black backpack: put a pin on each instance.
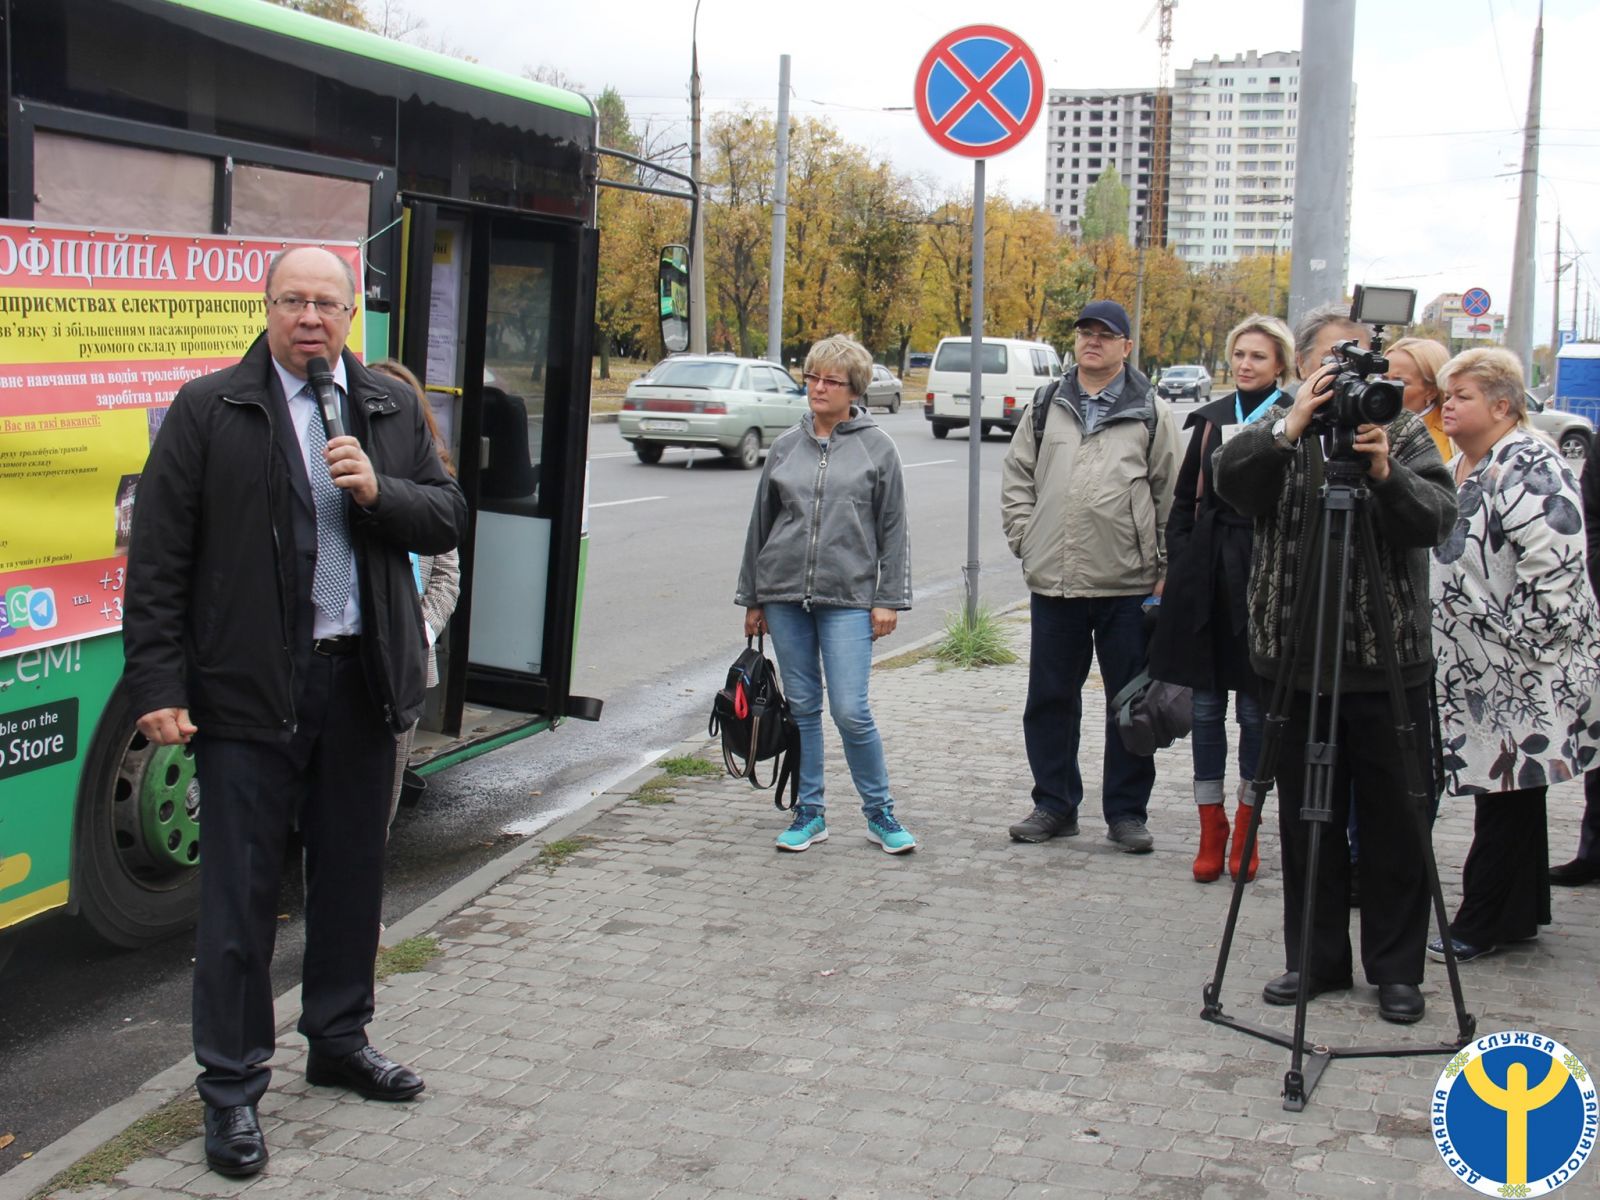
(1041, 413)
(755, 724)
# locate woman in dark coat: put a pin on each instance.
(1200, 639)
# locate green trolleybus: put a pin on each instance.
(156, 154)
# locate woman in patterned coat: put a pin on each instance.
(1518, 647)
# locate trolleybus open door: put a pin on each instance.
(490, 325)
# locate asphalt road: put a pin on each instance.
(82, 1025)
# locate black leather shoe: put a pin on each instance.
(365, 1071)
(1575, 873)
(1283, 989)
(1401, 1003)
(234, 1145)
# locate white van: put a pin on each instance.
(1012, 371)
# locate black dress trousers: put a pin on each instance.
(1394, 882)
(335, 775)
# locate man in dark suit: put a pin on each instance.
(272, 619)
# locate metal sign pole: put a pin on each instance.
(975, 398)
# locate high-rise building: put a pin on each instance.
(1233, 145)
(1088, 132)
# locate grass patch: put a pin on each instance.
(410, 955)
(685, 765)
(175, 1122)
(909, 659)
(653, 793)
(983, 643)
(555, 854)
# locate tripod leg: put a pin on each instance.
(1321, 758)
(1407, 733)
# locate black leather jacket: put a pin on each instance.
(218, 613)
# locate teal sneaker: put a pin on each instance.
(883, 829)
(807, 827)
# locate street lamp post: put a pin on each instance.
(697, 235)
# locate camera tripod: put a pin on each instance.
(1343, 517)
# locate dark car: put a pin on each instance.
(1180, 382)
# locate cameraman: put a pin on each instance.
(1273, 470)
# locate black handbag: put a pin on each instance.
(753, 720)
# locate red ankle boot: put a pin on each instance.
(1213, 843)
(1241, 826)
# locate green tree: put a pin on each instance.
(1105, 208)
(738, 228)
(879, 254)
(625, 286)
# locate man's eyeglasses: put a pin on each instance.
(822, 381)
(293, 306)
(1099, 335)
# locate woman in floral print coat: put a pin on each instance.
(1518, 647)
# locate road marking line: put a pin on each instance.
(934, 462)
(635, 500)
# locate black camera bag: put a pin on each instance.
(751, 716)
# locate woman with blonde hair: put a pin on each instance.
(1201, 636)
(1518, 647)
(826, 571)
(1416, 362)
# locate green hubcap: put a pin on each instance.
(169, 809)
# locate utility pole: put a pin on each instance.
(780, 218)
(1555, 301)
(1322, 156)
(697, 235)
(1138, 292)
(1519, 322)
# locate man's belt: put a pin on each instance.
(337, 647)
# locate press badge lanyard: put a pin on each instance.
(1238, 409)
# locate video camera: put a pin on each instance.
(1360, 393)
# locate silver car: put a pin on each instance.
(1571, 431)
(735, 405)
(884, 391)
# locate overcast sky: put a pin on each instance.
(1442, 89)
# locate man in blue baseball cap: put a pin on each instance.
(1085, 491)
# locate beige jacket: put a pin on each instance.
(1089, 517)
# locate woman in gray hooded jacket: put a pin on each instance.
(826, 571)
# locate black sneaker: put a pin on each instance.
(1132, 836)
(1043, 824)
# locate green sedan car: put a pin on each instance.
(735, 405)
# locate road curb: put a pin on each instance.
(25, 1180)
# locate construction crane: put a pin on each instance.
(1156, 194)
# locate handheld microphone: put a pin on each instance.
(320, 376)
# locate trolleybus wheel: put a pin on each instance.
(136, 845)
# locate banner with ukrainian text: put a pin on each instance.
(98, 331)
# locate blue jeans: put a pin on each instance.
(833, 644)
(1067, 633)
(1210, 735)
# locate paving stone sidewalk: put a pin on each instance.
(679, 1011)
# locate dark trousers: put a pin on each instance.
(1589, 831)
(1067, 634)
(1505, 882)
(1394, 882)
(336, 774)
